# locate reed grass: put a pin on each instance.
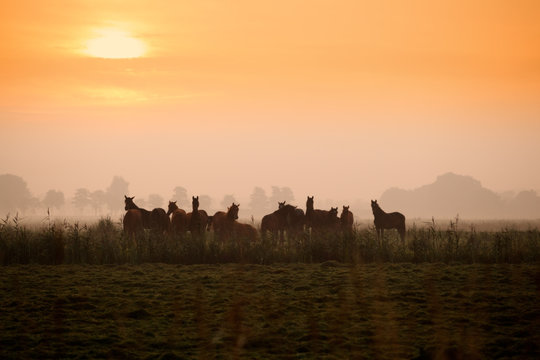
(105, 243)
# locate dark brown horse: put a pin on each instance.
(223, 222)
(274, 223)
(385, 220)
(133, 223)
(321, 220)
(157, 219)
(293, 220)
(347, 220)
(244, 232)
(197, 219)
(270, 224)
(179, 224)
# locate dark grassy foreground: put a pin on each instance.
(105, 243)
(326, 310)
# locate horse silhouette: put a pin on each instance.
(133, 223)
(223, 222)
(320, 220)
(270, 224)
(244, 232)
(383, 220)
(274, 223)
(293, 219)
(157, 219)
(179, 221)
(197, 219)
(346, 220)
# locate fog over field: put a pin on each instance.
(449, 197)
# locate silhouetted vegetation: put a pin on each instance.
(104, 242)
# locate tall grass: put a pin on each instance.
(105, 243)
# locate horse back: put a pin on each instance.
(160, 220)
(270, 223)
(390, 220)
(179, 220)
(245, 231)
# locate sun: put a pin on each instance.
(115, 44)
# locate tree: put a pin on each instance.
(115, 194)
(258, 201)
(98, 198)
(81, 199)
(205, 202)
(54, 199)
(155, 201)
(280, 195)
(227, 201)
(180, 196)
(14, 194)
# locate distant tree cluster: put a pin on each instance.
(261, 204)
(16, 197)
(452, 195)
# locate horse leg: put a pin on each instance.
(402, 233)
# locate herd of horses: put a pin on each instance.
(287, 220)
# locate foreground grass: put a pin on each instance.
(105, 243)
(328, 310)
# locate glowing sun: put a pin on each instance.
(115, 44)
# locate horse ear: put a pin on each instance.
(125, 197)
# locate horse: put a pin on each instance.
(243, 231)
(223, 222)
(293, 219)
(346, 220)
(179, 224)
(274, 223)
(383, 220)
(157, 219)
(320, 220)
(270, 223)
(133, 223)
(197, 219)
(146, 215)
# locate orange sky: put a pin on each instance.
(341, 99)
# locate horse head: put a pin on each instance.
(309, 203)
(281, 204)
(232, 211)
(129, 204)
(195, 203)
(172, 207)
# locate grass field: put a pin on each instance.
(71, 290)
(286, 311)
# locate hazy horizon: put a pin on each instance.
(341, 101)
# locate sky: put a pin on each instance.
(338, 99)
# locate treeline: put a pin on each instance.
(105, 243)
(16, 197)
